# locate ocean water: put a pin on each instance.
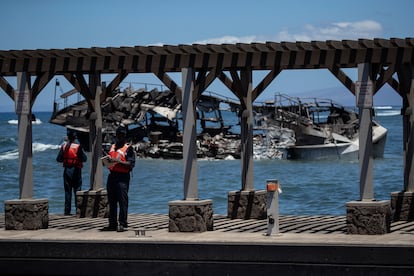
(308, 188)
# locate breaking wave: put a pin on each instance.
(387, 110)
(36, 147)
(15, 122)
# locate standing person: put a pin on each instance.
(122, 161)
(72, 156)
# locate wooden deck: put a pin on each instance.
(307, 245)
(288, 224)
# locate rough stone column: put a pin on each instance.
(402, 206)
(368, 218)
(26, 214)
(92, 204)
(190, 216)
(246, 204)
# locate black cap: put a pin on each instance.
(71, 133)
(121, 130)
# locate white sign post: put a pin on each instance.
(364, 93)
(22, 102)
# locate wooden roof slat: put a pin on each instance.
(275, 46)
(100, 51)
(217, 48)
(187, 49)
(129, 51)
(157, 50)
(410, 41)
(261, 47)
(291, 46)
(399, 42)
(335, 44)
(232, 48)
(203, 48)
(367, 43)
(245, 47)
(351, 44)
(172, 49)
(304, 45)
(319, 45)
(260, 56)
(143, 50)
(72, 52)
(382, 42)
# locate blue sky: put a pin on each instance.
(48, 24)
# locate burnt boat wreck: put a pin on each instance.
(285, 128)
(154, 123)
(311, 129)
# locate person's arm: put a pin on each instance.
(131, 157)
(59, 157)
(82, 154)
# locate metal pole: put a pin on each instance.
(272, 204)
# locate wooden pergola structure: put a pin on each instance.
(379, 61)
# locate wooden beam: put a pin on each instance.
(204, 79)
(113, 84)
(25, 138)
(6, 86)
(189, 136)
(246, 130)
(342, 77)
(79, 82)
(170, 83)
(384, 75)
(40, 82)
(264, 83)
(366, 156)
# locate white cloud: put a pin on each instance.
(228, 39)
(366, 29)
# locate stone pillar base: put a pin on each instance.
(368, 217)
(190, 215)
(92, 204)
(26, 214)
(247, 204)
(402, 206)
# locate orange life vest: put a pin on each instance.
(70, 156)
(119, 154)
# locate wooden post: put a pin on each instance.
(366, 160)
(408, 135)
(24, 112)
(189, 136)
(95, 134)
(246, 130)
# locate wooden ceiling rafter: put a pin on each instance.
(343, 78)
(6, 86)
(386, 55)
(40, 82)
(114, 84)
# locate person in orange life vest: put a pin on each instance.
(117, 185)
(72, 156)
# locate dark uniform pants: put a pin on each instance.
(117, 188)
(72, 181)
